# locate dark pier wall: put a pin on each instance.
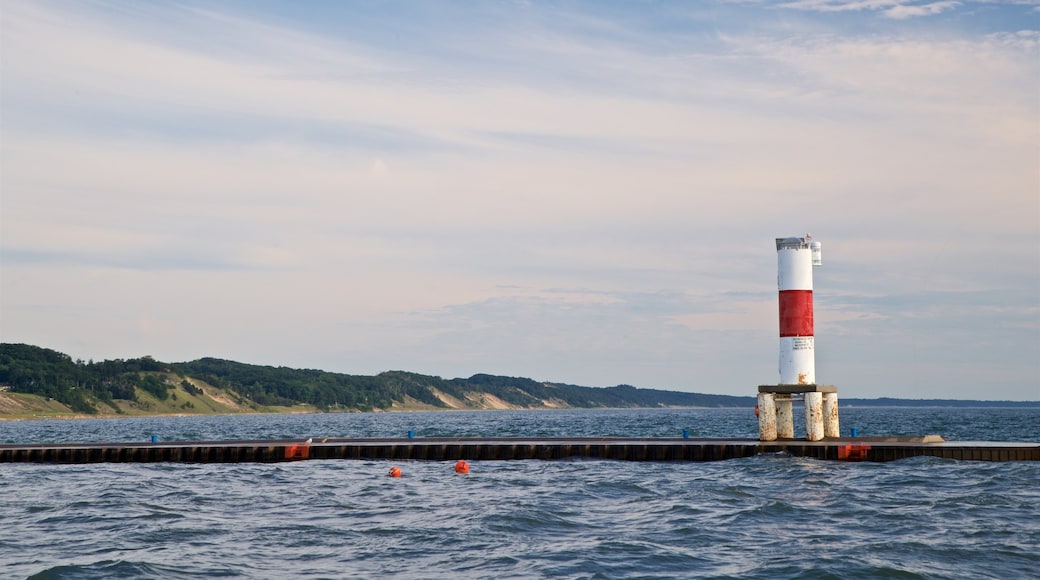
(474, 449)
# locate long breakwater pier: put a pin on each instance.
(876, 449)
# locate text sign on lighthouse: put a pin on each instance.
(796, 258)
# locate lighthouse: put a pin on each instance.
(796, 258)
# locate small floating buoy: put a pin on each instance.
(461, 466)
(394, 472)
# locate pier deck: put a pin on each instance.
(474, 449)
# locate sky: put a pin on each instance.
(575, 192)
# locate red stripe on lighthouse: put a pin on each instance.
(796, 313)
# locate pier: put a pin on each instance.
(874, 449)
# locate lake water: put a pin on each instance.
(762, 517)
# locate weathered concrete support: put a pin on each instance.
(766, 417)
(814, 416)
(784, 417)
(831, 428)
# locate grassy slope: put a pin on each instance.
(212, 401)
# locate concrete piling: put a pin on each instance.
(831, 426)
(784, 417)
(767, 428)
(814, 416)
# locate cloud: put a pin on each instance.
(895, 9)
(903, 11)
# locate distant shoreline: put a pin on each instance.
(909, 404)
(37, 382)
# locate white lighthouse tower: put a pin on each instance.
(795, 281)
(796, 258)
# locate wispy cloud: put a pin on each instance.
(895, 9)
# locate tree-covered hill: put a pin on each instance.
(86, 385)
(78, 384)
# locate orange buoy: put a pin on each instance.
(394, 472)
(461, 466)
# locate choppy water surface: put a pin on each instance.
(763, 517)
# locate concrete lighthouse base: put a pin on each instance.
(776, 417)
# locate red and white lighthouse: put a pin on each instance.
(795, 260)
